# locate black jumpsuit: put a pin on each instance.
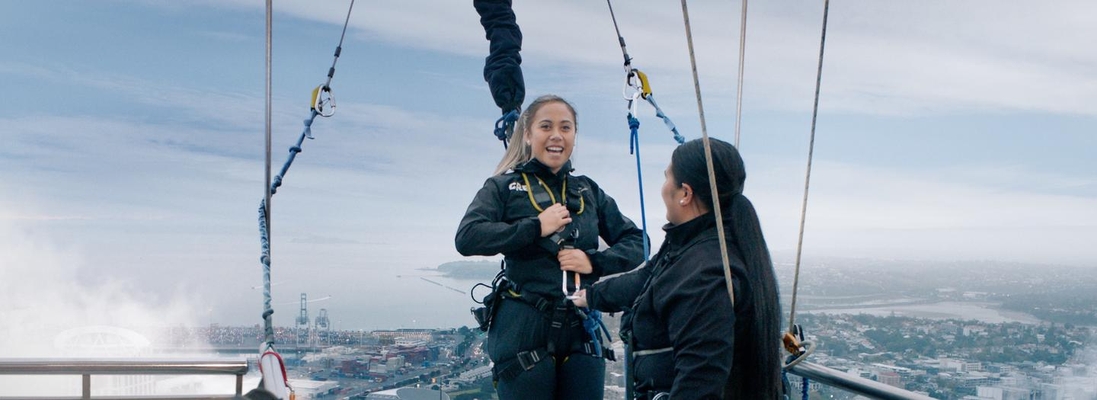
(503, 219)
(681, 318)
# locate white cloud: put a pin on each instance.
(207, 105)
(885, 212)
(931, 58)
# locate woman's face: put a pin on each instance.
(551, 136)
(672, 194)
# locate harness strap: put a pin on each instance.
(523, 362)
(542, 197)
(559, 323)
(536, 197)
(599, 351)
(538, 302)
(595, 328)
(641, 353)
(557, 334)
(653, 395)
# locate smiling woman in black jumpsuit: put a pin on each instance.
(543, 220)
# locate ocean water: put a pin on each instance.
(979, 311)
(413, 299)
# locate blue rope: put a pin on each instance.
(264, 237)
(504, 126)
(666, 120)
(785, 385)
(804, 383)
(592, 321)
(634, 148)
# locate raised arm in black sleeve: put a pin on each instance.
(484, 233)
(502, 68)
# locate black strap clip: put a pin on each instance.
(529, 359)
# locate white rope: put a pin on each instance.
(708, 159)
(807, 177)
(739, 86)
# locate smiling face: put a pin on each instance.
(551, 135)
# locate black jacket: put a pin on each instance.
(503, 219)
(679, 302)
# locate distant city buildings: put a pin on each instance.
(981, 361)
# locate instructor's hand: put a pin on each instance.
(580, 299)
(553, 219)
(574, 260)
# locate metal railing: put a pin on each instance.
(853, 384)
(88, 367)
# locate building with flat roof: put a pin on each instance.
(408, 394)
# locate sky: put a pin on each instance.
(132, 162)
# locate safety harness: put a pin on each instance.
(563, 316)
(545, 195)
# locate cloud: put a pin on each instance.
(208, 106)
(888, 212)
(932, 58)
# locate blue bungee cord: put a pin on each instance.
(322, 104)
(264, 236)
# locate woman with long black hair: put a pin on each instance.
(687, 339)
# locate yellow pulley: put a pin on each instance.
(645, 88)
(323, 101)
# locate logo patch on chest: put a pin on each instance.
(518, 187)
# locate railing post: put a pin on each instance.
(853, 383)
(85, 368)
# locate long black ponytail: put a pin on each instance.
(756, 372)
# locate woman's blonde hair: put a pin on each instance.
(518, 151)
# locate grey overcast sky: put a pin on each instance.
(132, 167)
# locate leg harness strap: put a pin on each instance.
(561, 316)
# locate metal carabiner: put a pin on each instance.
(633, 103)
(569, 243)
(323, 101)
(630, 88)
